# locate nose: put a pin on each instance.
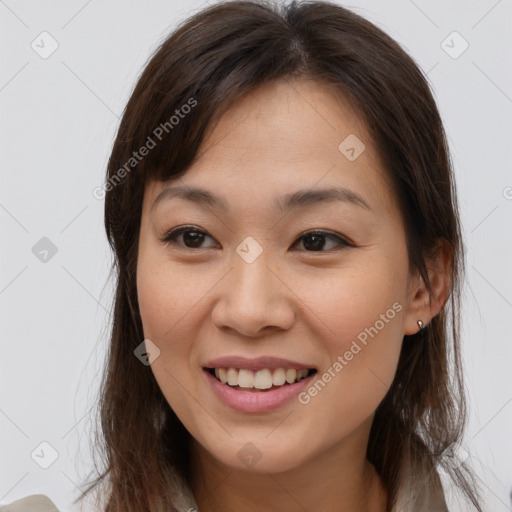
(254, 300)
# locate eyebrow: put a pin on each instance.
(292, 201)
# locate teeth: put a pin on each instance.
(291, 375)
(302, 374)
(222, 375)
(232, 377)
(246, 379)
(262, 379)
(279, 377)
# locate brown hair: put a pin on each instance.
(212, 59)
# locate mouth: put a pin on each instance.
(263, 380)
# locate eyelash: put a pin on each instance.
(170, 238)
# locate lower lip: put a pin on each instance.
(256, 401)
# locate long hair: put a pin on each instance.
(212, 59)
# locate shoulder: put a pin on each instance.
(32, 503)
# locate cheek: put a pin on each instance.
(343, 304)
(164, 302)
(167, 296)
(358, 315)
(169, 303)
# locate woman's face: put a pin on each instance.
(248, 280)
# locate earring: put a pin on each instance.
(420, 324)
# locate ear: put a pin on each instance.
(421, 305)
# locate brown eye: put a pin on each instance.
(315, 241)
(192, 237)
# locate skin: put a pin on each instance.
(293, 301)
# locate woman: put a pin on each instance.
(281, 206)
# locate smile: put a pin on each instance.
(254, 399)
(264, 379)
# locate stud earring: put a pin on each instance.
(420, 324)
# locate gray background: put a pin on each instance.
(58, 120)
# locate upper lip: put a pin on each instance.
(255, 364)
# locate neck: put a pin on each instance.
(337, 480)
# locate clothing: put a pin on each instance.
(421, 501)
(32, 503)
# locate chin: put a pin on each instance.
(259, 456)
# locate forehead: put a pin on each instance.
(284, 136)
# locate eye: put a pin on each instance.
(192, 236)
(314, 241)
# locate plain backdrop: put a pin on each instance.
(59, 115)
